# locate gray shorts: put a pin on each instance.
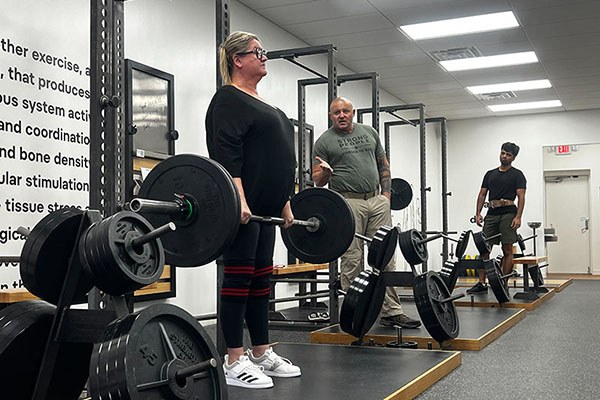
(494, 224)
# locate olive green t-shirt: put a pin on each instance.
(353, 157)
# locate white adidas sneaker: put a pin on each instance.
(244, 373)
(275, 365)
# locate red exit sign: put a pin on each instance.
(564, 149)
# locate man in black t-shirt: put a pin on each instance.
(503, 184)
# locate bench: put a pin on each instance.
(305, 275)
(529, 262)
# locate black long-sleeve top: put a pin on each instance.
(255, 142)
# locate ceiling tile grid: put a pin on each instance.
(564, 34)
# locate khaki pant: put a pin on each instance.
(369, 216)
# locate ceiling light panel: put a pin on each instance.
(501, 60)
(525, 106)
(510, 86)
(461, 26)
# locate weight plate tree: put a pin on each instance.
(209, 216)
(161, 352)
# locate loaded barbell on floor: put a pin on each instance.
(433, 298)
(412, 243)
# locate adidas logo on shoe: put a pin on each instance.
(244, 373)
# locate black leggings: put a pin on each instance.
(246, 287)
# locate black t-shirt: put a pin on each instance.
(255, 142)
(503, 185)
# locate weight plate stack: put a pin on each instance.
(439, 318)
(413, 250)
(118, 267)
(25, 328)
(494, 275)
(46, 254)
(382, 247)
(140, 355)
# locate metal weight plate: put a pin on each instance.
(401, 195)
(140, 356)
(118, 267)
(461, 246)
(362, 303)
(25, 329)
(439, 318)
(413, 250)
(336, 229)
(215, 219)
(481, 243)
(46, 253)
(494, 275)
(382, 247)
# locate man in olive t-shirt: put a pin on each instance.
(351, 159)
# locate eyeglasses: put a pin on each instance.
(258, 52)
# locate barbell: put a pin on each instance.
(322, 231)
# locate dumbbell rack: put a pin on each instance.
(78, 326)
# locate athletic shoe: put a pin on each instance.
(478, 289)
(274, 365)
(401, 320)
(244, 373)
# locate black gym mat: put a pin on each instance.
(489, 300)
(478, 328)
(350, 372)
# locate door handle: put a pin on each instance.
(585, 226)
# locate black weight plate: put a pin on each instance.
(413, 250)
(440, 319)
(461, 246)
(17, 316)
(336, 230)
(494, 275)
(22, 350)
(449, 274)
(382, 247)
(46, 253)
(362, 303)
(216, 219)
(119, 269)
(131, 360)
(401, 194)
(481, 243)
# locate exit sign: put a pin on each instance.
(564, 149)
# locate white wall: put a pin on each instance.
(474, 147)
(177, 37)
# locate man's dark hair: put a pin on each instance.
(511, 148)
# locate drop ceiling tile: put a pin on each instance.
(336, 26)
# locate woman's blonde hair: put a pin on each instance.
(236, 42)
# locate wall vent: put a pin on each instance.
(497, 96)
(456, 53)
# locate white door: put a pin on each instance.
(567, 210)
